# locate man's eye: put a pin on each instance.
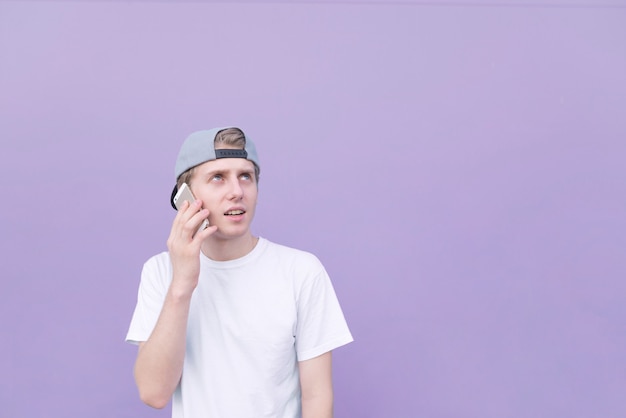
(246, 176)
(216, 177)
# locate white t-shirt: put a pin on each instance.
(250, 321)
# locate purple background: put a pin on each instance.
(458, 168)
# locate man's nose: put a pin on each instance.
(236, 191)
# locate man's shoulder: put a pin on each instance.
(285, 252)
(286, 249)
(163, 255)
(159, 261)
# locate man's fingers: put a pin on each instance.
(186, 223)
(201, 235)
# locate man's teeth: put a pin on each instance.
(235, 212)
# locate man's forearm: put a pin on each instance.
(160, 360)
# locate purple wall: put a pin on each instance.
(459, 169)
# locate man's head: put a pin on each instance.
(221, 168)
(212, 144)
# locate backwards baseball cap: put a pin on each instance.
(199, 147)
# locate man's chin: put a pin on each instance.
(230, 233)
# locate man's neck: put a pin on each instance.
(219, 249)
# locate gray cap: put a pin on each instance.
(199, 147)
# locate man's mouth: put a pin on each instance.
(235, 212)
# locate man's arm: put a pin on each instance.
(317, 386)
(159, 363)
(160, 359)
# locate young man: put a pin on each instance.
(230, 325)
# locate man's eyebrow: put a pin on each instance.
(228, 170)
(212, 172)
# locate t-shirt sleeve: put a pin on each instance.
(321, 325)
(155, 280)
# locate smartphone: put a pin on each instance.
(184, 194)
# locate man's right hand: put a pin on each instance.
(184, 245)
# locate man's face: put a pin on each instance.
(228, 189)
